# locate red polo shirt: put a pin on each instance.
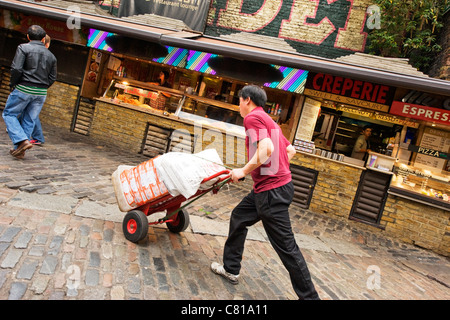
(275, 171)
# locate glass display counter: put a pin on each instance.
(126, 91)
(421, 185)
(175, 103)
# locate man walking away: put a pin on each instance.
(33, 71)
(38, 135)
(269, 153)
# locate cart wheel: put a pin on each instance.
(135, 225)
(181, 222)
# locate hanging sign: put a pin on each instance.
(192, 12)
(415, 111)
(428, 152)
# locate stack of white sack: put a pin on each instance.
(183, 173)
(173, 173)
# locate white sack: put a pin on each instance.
(183, 173)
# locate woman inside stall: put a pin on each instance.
(162, 82)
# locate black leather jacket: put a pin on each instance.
(33, 65)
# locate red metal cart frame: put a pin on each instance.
(135, 223)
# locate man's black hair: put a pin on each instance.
(255, 93)
(36, 32)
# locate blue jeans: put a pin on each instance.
(29, 106)
(37, 133)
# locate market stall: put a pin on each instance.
(321, 110)
(194, 94)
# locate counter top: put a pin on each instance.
(192, 121)
(331, 160)
(148, 86)
(381, 171)
(417, 197)
(382, 155)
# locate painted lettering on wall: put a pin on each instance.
(312, 22)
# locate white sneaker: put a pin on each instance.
(219, 269)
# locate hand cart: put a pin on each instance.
(135, 223)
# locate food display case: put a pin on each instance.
(126, 91)
(175, 104)
(421, 185)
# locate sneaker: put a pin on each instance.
(36, 142)
(219, 269)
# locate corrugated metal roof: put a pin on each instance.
(398, 65)
(158, 21)
(258, 40)
(89, 7)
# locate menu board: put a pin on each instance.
(434, 139)
(310, 112)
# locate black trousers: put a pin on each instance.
(271, 207)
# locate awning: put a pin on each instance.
(195, 41)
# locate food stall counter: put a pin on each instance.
(174, 104)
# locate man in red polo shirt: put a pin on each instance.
(269, 153)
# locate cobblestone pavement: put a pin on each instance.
(61, 238)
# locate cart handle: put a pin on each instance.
(217, 174)
(222, 181)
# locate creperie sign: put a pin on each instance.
(349, 91)
(419, 112)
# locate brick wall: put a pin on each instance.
(119, 127)
(416, 223)
(60, 105)
(125, 128)
(336, 185)
(310, 27)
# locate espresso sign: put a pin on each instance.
(419, 112)
(355, 92)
